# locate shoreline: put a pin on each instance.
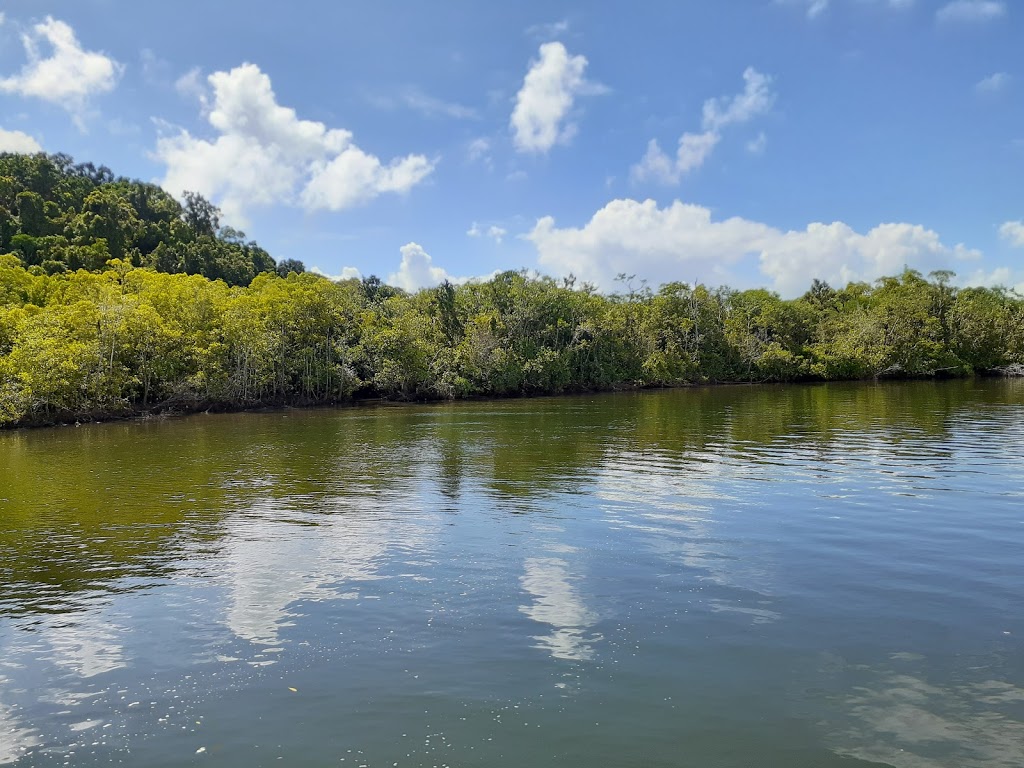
(162, 413)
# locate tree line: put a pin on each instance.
(91, 339)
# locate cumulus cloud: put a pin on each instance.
(836, 253)
(18, 142)
(1013, 233)
(264, 154)
(971, 11)
(693, 149)
(683, 242)
(65, 74)
(993, 83)
(417, 270)
(550, 88)
(1000, 277)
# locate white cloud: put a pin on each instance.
(756, 98)
(417, 270)
(549, 90)
(3, 18)
(999, 277)
(971, 11)
(69, 75)
(993, 83)
(757, 145)
(496, 233)
(691, 153)
(264, 154)
(836, 253)
(347, 273)
(1013, 233)
(18, 142)
(682, 242)
(354, 176)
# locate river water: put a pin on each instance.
(792, 576)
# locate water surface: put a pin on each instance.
(819, 576)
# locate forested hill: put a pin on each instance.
(56, 216)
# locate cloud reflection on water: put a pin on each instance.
(272, 559)
(559, 604)
(901, 719)
(15, 737)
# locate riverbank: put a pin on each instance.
(178, 410)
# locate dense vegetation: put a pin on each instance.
(133, 329)
(59, 216)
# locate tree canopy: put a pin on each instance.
(56, 216)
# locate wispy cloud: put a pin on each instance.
(993, 83)
(548, 31)
(427, 105)
(971, 11)
(494, 232)
(693, 149)
(816, 8)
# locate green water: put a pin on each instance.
(820, 576)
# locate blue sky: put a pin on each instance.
(753, 143)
